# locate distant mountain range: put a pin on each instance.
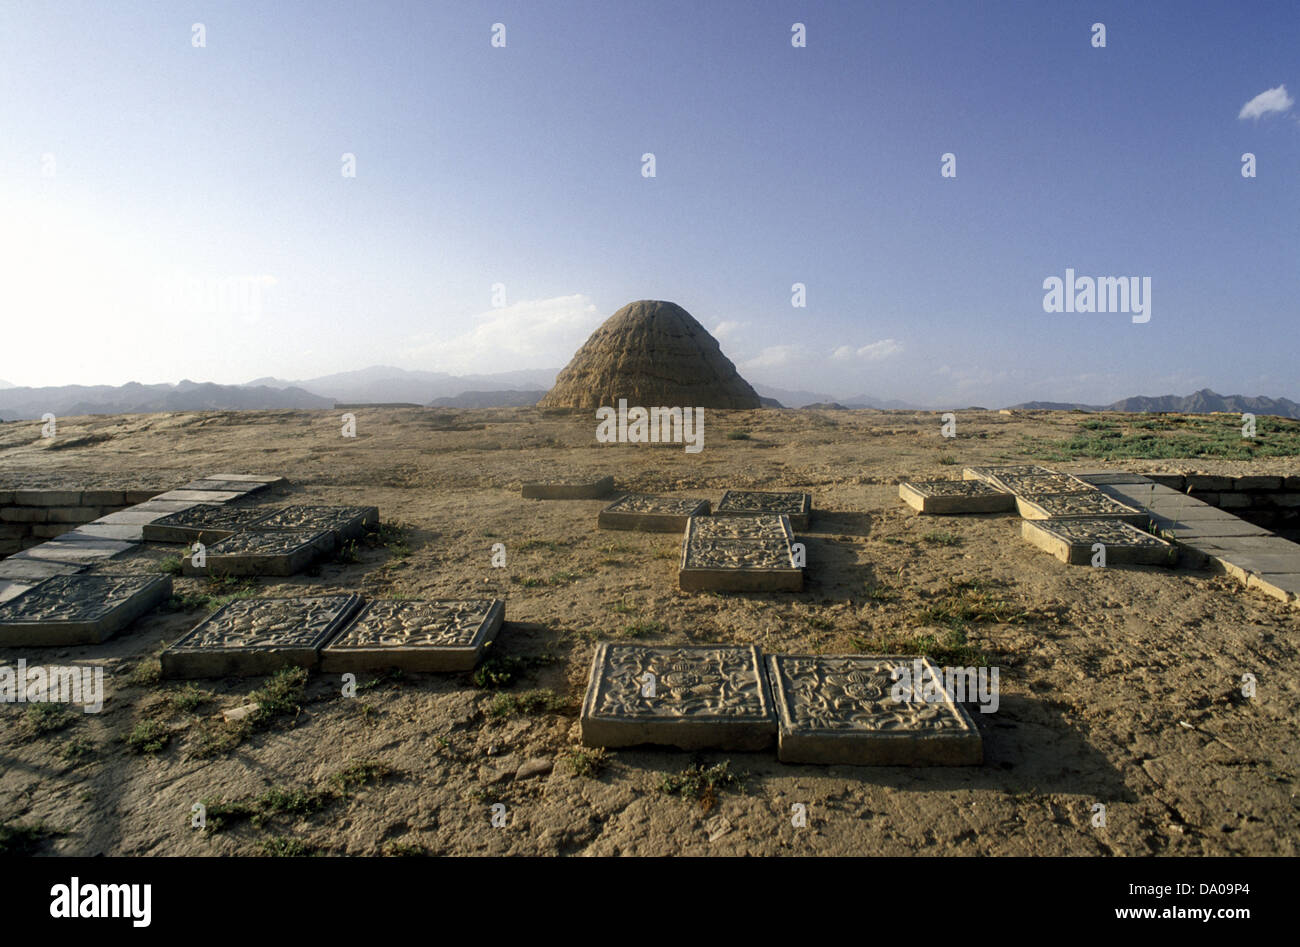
(386, 384)
(1204, 401)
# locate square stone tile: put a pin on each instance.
(653, 514)
(947, 497)
(79, 609)
(121, 532)
(703, 696)
(146, 512)
(74, 553)
(1079, 506)
(243, 487)
(841, 709)
(263, 552)
(589, 490)
(739, 554)
(1099, 477)
(23, 569)
(254, 636)
(201, 496)
(991, 474)
(1283, 586)
(1071, 541)
(269, 480)
(437, 635)
(796, 506)
(203, 523)
(345, 522)
(1036, 485)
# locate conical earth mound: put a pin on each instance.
(652, 353)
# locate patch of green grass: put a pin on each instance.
(551, 545)
(1162, 437)
(295, 802)
(171, 565)
(74, 749)
(48, 718)
(975, 605)
(948, 460)
(566, 577)
(188, 601)
(941, 538)
(529, 582)
(739, 436)
(528, 702)
(819, 622)
(499, 670)
(146, 673)
(588, 763)
(282, 694)
(390, 536)
(881, 593)
(701, 784)
(624, 608)
(395, 849)
(187, 699)
(19, 840)
(359, 773)
(279, 846)
(644, 629)
(148, 736)
(949, 646)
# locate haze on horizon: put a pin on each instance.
(499, 211)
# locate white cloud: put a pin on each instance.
(1273, 100)
(772, 356)
(726, 329)
(533, 333)
(874, 352)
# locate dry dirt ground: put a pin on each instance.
(1119, 686)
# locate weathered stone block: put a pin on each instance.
(262, 552)
(1285, 587)
(591, 490)
(122, 532)
(47, 497)
(1079, 506)
(1172, 481)
(79, 609)
(739, 554)
(200, 496)
(71, 514)
(50, 530)
(415, 636)
(948, 497)
(138, 496)
(841, 709)
(269, 479)
(243, 487)
(255, 636)
(74, 553)
(203, 522)
(648, 513)
(103, 498)
(1036, 485)
(689, 696)
(143, 513)
(23, 514)
(797, 507)
(1258, 483)
(1072, 541)
(991, 474)
(343, 522)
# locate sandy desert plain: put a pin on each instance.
(1119, 686)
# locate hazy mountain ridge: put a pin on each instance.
(1204, 401)
(134, 398)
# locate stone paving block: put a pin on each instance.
(103, 497)
(739, 554)
(262, 552)
(1100, 477)
(692, 697)
(1285, 587)
(23, 514)
(1256, 483)
(255, 636)
(1079, 506)
(1242, 566)
(12, 588)
(74, 553)
(948, 497)
(241, 487)
(203, 522)
(143, 513)
(1172, 481)
(79, 609)
(1185, 531)
(200, 496)
(6, 497)
(1071, 541)
(437, 635)
(137, 497)
(47, 497)
(269, 479)
(796, 506)
(344, 522)
(1207, 482)
(71, 514)
(123, 532)
(842, 709)
(654, 514)
(590, 490)
(50, 530)
(23, 569)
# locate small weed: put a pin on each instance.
(171, 565)
(48, 718)
(358, 774)
(588, 763)
(644, 629)
(279, 846)
(881, 593)
(391, 536)
(297, 802)
(819, 622)
(941, 538)
(948, 460)
(187, 699)
(74, 749)
(529, 702)
(282, 694)
(701, 784)
(149, 736)
(739, 436)
(347, 553)
(24, 839)
(396, 849)
(145, 674)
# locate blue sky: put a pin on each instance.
(175, 168)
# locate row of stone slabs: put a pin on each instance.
(1063, 514)
(818, 708)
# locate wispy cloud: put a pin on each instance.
(531, 333)
(773, 356)
(874, 352)
(726, 329)
(1266, 103)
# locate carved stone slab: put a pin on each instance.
(345, 522)
(253, 636)
(841, 709)
(797, 506)
(688, 696)
(1078, 506)
(79, 609)
(946, 497)
(263, 552)
(436, 635)
(1042, 484)
(202, 523)
(992, 474)
(592, 490)
(1071, 541)
(653, 514)
(739, 554)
